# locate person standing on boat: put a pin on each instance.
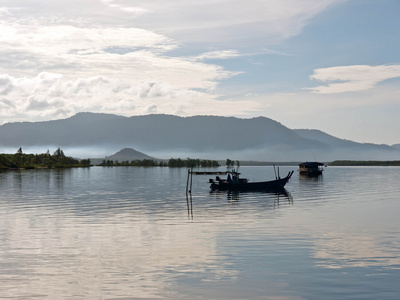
(229, 179)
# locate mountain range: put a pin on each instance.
(168, 136)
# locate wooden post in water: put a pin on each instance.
(187, 182)
(191, 180)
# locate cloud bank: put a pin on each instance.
(224, 21)
(51, 95)
(353, 78)
(116, 56)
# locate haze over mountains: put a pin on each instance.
(164, 136)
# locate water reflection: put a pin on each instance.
(250, 200)
(235, 196)
(337, 249)
(189, 202)
(40, 182)
(311, 177)
(122, 232)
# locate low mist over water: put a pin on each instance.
(90, 135)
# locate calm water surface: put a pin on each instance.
(127, 233)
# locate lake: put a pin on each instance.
(131, 233)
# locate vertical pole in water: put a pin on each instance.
(191, 206)
(278, 174)
(275, 172)
(187, 182)
(187, 203)
(191, 180)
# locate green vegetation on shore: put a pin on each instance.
(133, 163)
(58, 159)
(344, 163)
(188, 163)
(172, 163)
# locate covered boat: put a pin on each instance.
(311, 168)
(234, 183)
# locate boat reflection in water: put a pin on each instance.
(271, 199)
(278, 196)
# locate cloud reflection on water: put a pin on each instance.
(104, 233)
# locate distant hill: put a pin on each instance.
(349, 149)
(334, 142)
(128, 154)
(396, 146)
(208, 137)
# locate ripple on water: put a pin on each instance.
(118, 232)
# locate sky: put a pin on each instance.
(332, 65)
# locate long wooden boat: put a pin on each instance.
(234, 183)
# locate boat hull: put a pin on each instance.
(311, 173)
(272, 185)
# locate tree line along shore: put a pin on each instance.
(58, 159)
(367, 163)
(172, 163)
(46, 160)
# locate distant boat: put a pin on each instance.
(234, 183)
(311, 168)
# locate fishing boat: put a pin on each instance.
(311, 168)
(235, 183)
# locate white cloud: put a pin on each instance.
(229, 21)
(4, 11)
(223, 54)
(220, 22)
(115, 56)
(353, 78)
(128, 54)
(68, 39)
(131, 9)
(275, 52)
(52, 95)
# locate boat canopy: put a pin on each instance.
(311, 164)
